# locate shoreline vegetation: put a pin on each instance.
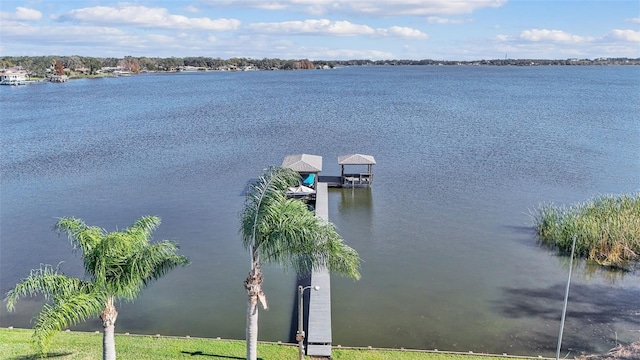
(607, 229)
(42, 67)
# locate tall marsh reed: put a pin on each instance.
(607, 229)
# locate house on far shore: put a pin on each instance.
(13, 76)
(58, 78)
(83, 71)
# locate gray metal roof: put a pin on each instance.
(356, 159)
(303, 163)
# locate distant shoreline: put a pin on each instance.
(82, 66)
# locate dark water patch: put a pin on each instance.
(593, 312)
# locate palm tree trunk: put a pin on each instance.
(252, 328)
(109, 316)
(253, 285)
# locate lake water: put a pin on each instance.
(450, 260)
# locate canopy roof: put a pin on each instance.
(303, 163)
(300, 190)
(356, 159)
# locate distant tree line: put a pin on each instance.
(42, 65)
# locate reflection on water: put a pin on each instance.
(359, 199)
(591, 270)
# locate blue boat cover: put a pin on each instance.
(310, 180)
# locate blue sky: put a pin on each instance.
(323, 29)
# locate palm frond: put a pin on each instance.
(47, 282)
(124, 262)
(145, 225)
(66, 311)
(80, 235)
(288, 229)
(341, 258)
(269, 188)
(148, 265)
(319, 246)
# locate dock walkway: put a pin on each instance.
(319, 331)
(331, 181)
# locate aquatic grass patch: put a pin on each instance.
(607, 229)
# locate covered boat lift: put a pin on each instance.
(303, 163)
(308, 166)
(357, 179)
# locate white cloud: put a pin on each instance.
(52, 35)
(552, 35)
(337, 28)
(84, 40)
(443, 20)
(63, 33)
(270, 5)
(161, 39)
(345, 54)
(543, 35)
(403, 32)
(635, 20)
(21, 14)
(373, 8)
(192, 9)
(146, 17)
(542, 43)
(419, 7)
(625, 35)
(321, 27)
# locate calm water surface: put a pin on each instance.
(450, 260)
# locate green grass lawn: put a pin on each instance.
(15, 344)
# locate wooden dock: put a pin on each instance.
(319, 330)
(331, 181)
(309, 167)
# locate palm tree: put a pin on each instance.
(284, 232)
(118, 265)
